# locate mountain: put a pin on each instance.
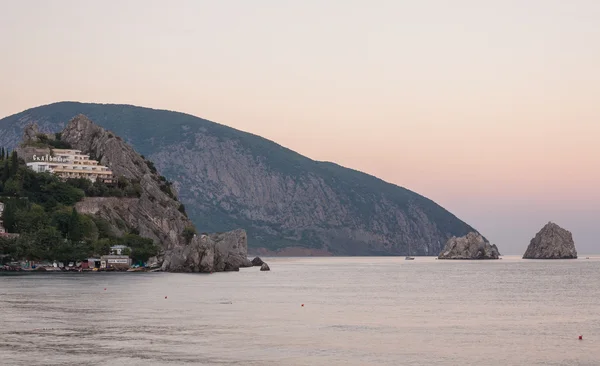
(287, 203)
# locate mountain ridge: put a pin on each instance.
(229, 178)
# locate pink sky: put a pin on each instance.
(490, 108)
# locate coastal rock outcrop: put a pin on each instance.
(552, 242)
(156, 213)
(471, 246)
(210, 253)
(265, 267)
(257, 261)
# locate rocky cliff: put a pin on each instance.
(289, 204)
(156, 213)
(552, 242)
(471, 246)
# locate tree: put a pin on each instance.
(30, 219)
(14, 162)
(8, 216)
(141, 248)
(188, 233)
(61, 219)
(101, 247)
(89, 230)
(5, 171)
(12, 187)
(75, 232)
(45, 243)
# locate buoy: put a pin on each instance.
(104, 289)
(580, 337)
(165, 297)
(302, 305)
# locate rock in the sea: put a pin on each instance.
(471, 246)
(265, 267)
(210, 253)
(552, 242)
(257, 261)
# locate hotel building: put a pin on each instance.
(69, 163)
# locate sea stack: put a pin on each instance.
(470, 246)
(552, 242)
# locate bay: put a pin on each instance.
(357, 311)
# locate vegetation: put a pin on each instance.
(188, 233)
(41, 209)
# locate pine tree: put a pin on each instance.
(5, 171)
(74, 226)
(14, 160)
(2, 154)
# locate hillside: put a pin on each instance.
(229, 179)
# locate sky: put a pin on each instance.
(490, 108)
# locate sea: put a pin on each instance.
(310, 311)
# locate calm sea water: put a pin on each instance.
(357, 311)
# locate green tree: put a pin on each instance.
(8, 216)
(30, 219)
(60, 219)
(75, 233)
(69, 250)
(101, 247)
(45, 243)
(89, 230)
(188, 233)
(5, 171)
(14, 162)
(141, 248)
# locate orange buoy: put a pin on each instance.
(580, 337)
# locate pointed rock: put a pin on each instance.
(552, 242)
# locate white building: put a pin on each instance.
(69, 163)
(117, 249)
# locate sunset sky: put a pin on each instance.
(490, 108)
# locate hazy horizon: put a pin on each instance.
(488, 109)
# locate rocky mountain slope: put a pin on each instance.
(229, 179)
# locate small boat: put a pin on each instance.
(408, 257)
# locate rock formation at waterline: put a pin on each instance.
(208, 253)
(552, 242)
(471, 246)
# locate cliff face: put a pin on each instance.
(552, 242)
(288, 204)
(470, 246)
(156, 213)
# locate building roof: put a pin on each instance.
(118, 247)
